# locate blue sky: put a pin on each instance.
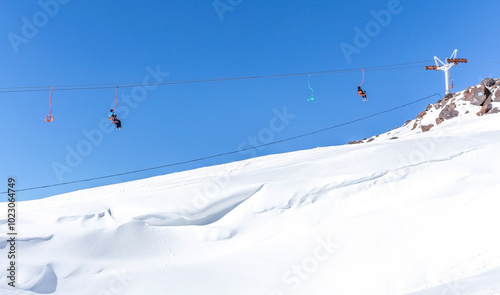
(57, 43)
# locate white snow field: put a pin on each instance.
(419, 214)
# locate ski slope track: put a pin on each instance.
(409, 212)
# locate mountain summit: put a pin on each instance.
(467, 103)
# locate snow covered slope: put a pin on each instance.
(416, 215)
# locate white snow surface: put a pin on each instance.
(416, 215)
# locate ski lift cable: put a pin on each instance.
(485, 61)
(481, 68)
(176, 82)
(160, 83)
(231, 152)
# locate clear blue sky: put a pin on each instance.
(109, 42)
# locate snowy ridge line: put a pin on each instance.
(227, 153)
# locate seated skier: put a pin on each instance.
(361, 93)
(115, 120)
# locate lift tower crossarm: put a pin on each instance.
(445, 67)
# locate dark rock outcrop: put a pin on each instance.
(414, 126)
(418, 119)
(488, 82)
(475, 96)
(496, 96)
(448, 112)
(421, 115)
(427, 127)
(355, 142)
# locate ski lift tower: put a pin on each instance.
(445, 67)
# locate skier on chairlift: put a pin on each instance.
(115, 120)
(361, 93)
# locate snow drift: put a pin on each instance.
(410, 212)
